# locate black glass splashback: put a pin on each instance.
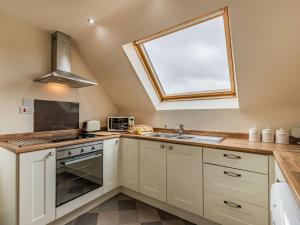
(55, 115)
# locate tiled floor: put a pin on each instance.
(124, 210)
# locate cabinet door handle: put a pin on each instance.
(231, 156)
(162, 146)
(170, 148)
(233, 205)
(50, 154)
(232, 174)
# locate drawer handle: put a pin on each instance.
(232, 174)
(162, 146)
(232, 156)
(230, 204)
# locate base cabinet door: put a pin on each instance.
(129, 163)
(37, 187)
(228, 211)
(110, 164)
(184, 178)
(153, 174)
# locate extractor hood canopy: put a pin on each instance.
(61, 64)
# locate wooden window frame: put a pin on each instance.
(138, 45)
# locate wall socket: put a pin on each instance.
(27, 106)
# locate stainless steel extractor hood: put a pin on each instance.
(61, 64)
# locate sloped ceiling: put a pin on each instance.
(265, 36)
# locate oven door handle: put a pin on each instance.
(70, 162)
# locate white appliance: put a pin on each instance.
(119, 123)
(284, 208)
(91, 125)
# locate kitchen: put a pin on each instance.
(196, 156)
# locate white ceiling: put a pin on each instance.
(265, 35)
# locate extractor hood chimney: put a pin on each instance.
(61, 64)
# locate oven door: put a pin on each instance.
(78, 175)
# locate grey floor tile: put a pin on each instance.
(124, 210)
(152, 223)
(166, 216)
(108, 218)
(87, 219)
(148, 214)
(108, 206)
(173, 222)
(71, 223)
(128, 217)
(127, 205)
(187, 223)
(140, 204)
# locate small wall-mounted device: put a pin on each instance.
(27, 106)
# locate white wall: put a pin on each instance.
(222, 120)
(25, 55)
(266, 45)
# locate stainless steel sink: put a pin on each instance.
(194, 138)
(160, 135)
(183, 137)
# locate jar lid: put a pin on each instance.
(267, 129)
(282, 130)
(254, 129)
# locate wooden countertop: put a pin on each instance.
(19, 150)
(289, 163)
(234, 144)
(50, 134)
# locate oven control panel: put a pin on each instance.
(75, 150)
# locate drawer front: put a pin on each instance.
(238, 184)
(227, 211)
(239, 160)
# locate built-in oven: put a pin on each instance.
(79, 170)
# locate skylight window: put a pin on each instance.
(192, 60)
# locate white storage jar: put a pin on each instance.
(282, 136)
(268, 135)
(254, 134)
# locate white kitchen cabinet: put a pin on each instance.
(238, 160)
(37, 187)
(238, 184)
(184, 177)
(153, 174)
(229, 211)
(110, 164)
(129, 163)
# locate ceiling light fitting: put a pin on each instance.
(91, 21)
